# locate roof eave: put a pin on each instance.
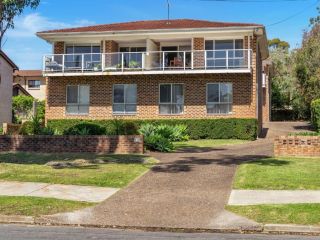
(47, 35)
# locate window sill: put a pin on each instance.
(124, 114)
(76, 114)
(220, 114)
(173, 114)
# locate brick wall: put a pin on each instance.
(308, 146)
(198, 57)
(94, 144)
(148, 95)
(58, 48)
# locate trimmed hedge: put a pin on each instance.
(315, 114)
(236, 128)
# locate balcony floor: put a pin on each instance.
(145, 72)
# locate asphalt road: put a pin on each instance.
(18, 232)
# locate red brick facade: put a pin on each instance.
(148, 95)
(58, 48)
(307, 146)
(93, 144)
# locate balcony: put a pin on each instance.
(161, 62)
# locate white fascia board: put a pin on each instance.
(176, 33)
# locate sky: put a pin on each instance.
(26, 49)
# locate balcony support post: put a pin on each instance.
(122, 62)
(103, 62)
(249, 58)
(184, 60)
(63, 61)
(227, 59)
(205, 59)
(163, 62)
(192, 60)
(82, 62)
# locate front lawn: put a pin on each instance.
(279, 174)
(304, 214)
(35, 206)
(208, 143)
(83, 169)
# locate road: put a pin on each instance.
(19, 232)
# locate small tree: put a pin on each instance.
(9, 9)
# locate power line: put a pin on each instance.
(294, 15)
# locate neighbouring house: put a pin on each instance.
(7, 67)
(30, 83)
(183, 69)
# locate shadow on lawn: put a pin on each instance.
(95, 159)
(187, 164)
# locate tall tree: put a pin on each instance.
(9, 9)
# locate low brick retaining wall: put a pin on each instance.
(308, 146)
(91, 144)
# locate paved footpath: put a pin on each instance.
(255, 197)
(67, 192)
(185, 190)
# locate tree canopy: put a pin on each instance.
(9, 9)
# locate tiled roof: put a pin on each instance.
(153, 25)
(28, 73)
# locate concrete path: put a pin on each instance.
(67, 192)
(188, 189)
(254, 197)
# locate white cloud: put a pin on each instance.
(28, 25)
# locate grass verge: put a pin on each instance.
(34, 206)
(304, 214)
(97, 170)
(208, 143)
(279, 174)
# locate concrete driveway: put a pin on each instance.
(185, 190)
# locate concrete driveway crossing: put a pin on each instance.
(185, 190)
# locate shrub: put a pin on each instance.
(315, 114)
(1, 130)
(21, 107)
(26, 128)
(158, 143)
(41, 110)
(236, 128)
(85, 129)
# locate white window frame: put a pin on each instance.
(159, 103)
(219, 83)
(34, 88)
(124, 99)
(77, 104)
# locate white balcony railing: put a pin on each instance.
(234, 59)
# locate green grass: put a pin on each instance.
(34, 206)
(103, 170)
(279, 174)
(305, 214)
(208, 143)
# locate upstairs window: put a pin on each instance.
(171, 99)
(219, 98)
(78, 99)
(34, 84)
(124, 99)
(224, 53)
(91, 56)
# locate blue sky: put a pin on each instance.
(26, 49)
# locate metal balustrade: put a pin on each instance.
(237, 59)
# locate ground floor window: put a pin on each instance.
(171, 99)
(219, 98)
(78, 99)
(124, 98)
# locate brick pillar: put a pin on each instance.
(266, 95)
(198, 57)
(58, 48)
(111, 60)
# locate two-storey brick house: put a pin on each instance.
(182, 68)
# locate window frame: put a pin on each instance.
(124, 100)
(219, 83)
(78, 100)
(34, 88)
(171, 103)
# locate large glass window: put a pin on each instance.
(91, 57)
(124, 98)
(219, 98)
(78, 99)
(224, 53)
(171, 99)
